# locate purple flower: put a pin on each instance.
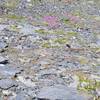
(52, 21)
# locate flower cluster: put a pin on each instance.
(52, 21)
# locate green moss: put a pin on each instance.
(61, 40)
(14, 28)
(41, 31)
(15, 17)
(58, 32)
(77, 13)
(90, 87)
(46, 45)
(90, 84)
(72, 33)
(65, 21)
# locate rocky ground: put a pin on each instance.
(49, 50)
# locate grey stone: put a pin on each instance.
(22, 96)
(7, 71)
(28, 29)
(7, 83)
(59, 92)
(2, 27)
(2, 59)
(98, 42)
(2, 45)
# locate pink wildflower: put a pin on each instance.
(52, 21)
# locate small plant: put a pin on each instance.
(41, 31)
(72, 33)
(52, 21)
(46, 45)
(65, 21)
(88, 84)
(15, 17)
(14, 28)
(61, 40)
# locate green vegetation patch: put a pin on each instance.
(65, 21)
(42, 31)
(87, 84)
(46, 45)
(49, 45)
(61, 40)
(72, 33)
(12, 16)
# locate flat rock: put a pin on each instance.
(2, 45)
(7, 83)
(59, 92)
(2, 59)
(8, 70)
(28, 29)
(22, 96)
(2, 27)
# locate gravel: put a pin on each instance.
(41, 62)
